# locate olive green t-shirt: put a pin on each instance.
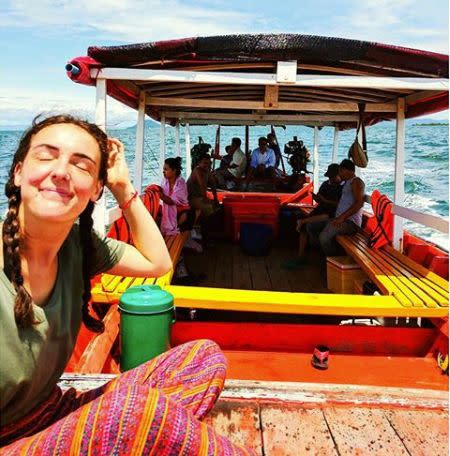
(33, 359)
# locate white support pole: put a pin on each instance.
(139, 151)
(162, 144)
(187, 141)
(399, 179)
(316, 160)
(334, 157)
(177, 139)
(99, 214)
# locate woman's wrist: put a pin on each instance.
(123, 193)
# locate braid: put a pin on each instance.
(23, 304)
(87, 246)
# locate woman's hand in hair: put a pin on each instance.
(118, 179)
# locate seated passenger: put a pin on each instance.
(348, 216)
(174, 196)
(197, 185)
(327, 198)
(225, 160)
(232, 170)
(262, 163)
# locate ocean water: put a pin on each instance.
(426, 159)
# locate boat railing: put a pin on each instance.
(431, 221)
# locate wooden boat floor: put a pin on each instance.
(292, 429)
(276, 418)
(226, 266)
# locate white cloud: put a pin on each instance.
(388, 21)
(18, 107)
(130, 21)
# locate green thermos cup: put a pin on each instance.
(146, 318)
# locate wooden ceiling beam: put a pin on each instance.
(283, 106)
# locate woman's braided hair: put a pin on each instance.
(23, 306)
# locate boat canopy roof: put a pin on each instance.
(247, 79)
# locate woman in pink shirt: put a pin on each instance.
(174, 196)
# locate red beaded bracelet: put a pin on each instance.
(127, 204)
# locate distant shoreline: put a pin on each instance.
(432, 124)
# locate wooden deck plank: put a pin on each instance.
(290, 430)
(238, 421)
(358, 431)
(278, 276)
(241, 270)
(308, 278)
(223, 274)
(211, 264)
(422, 432)
(260, 276)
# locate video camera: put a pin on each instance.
(299, 155)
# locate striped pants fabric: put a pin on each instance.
(154, 409)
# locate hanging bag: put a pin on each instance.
(357, 152)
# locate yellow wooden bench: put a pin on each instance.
(110, 288)
(296, 303)
(412, 285)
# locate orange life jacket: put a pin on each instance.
(381, 226)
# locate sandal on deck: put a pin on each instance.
(320, 357)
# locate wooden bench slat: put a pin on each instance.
(112, 285)
(426, 283)
(373, 270)
(414, 279)
(402, 277)
(106, 279)
(430, 275)
(397, 274)
(126, 283)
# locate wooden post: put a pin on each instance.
(162, 145)
(99, 214)
(140, 134)
(334, 157)
(316, 160)
(399, 179)
(177, 139)
(187, 141)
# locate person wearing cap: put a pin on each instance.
(348, 216)
(329, 193)
(327, 200)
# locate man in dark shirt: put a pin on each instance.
(329, 193)
(327, 198)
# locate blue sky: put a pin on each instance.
(38, 37)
